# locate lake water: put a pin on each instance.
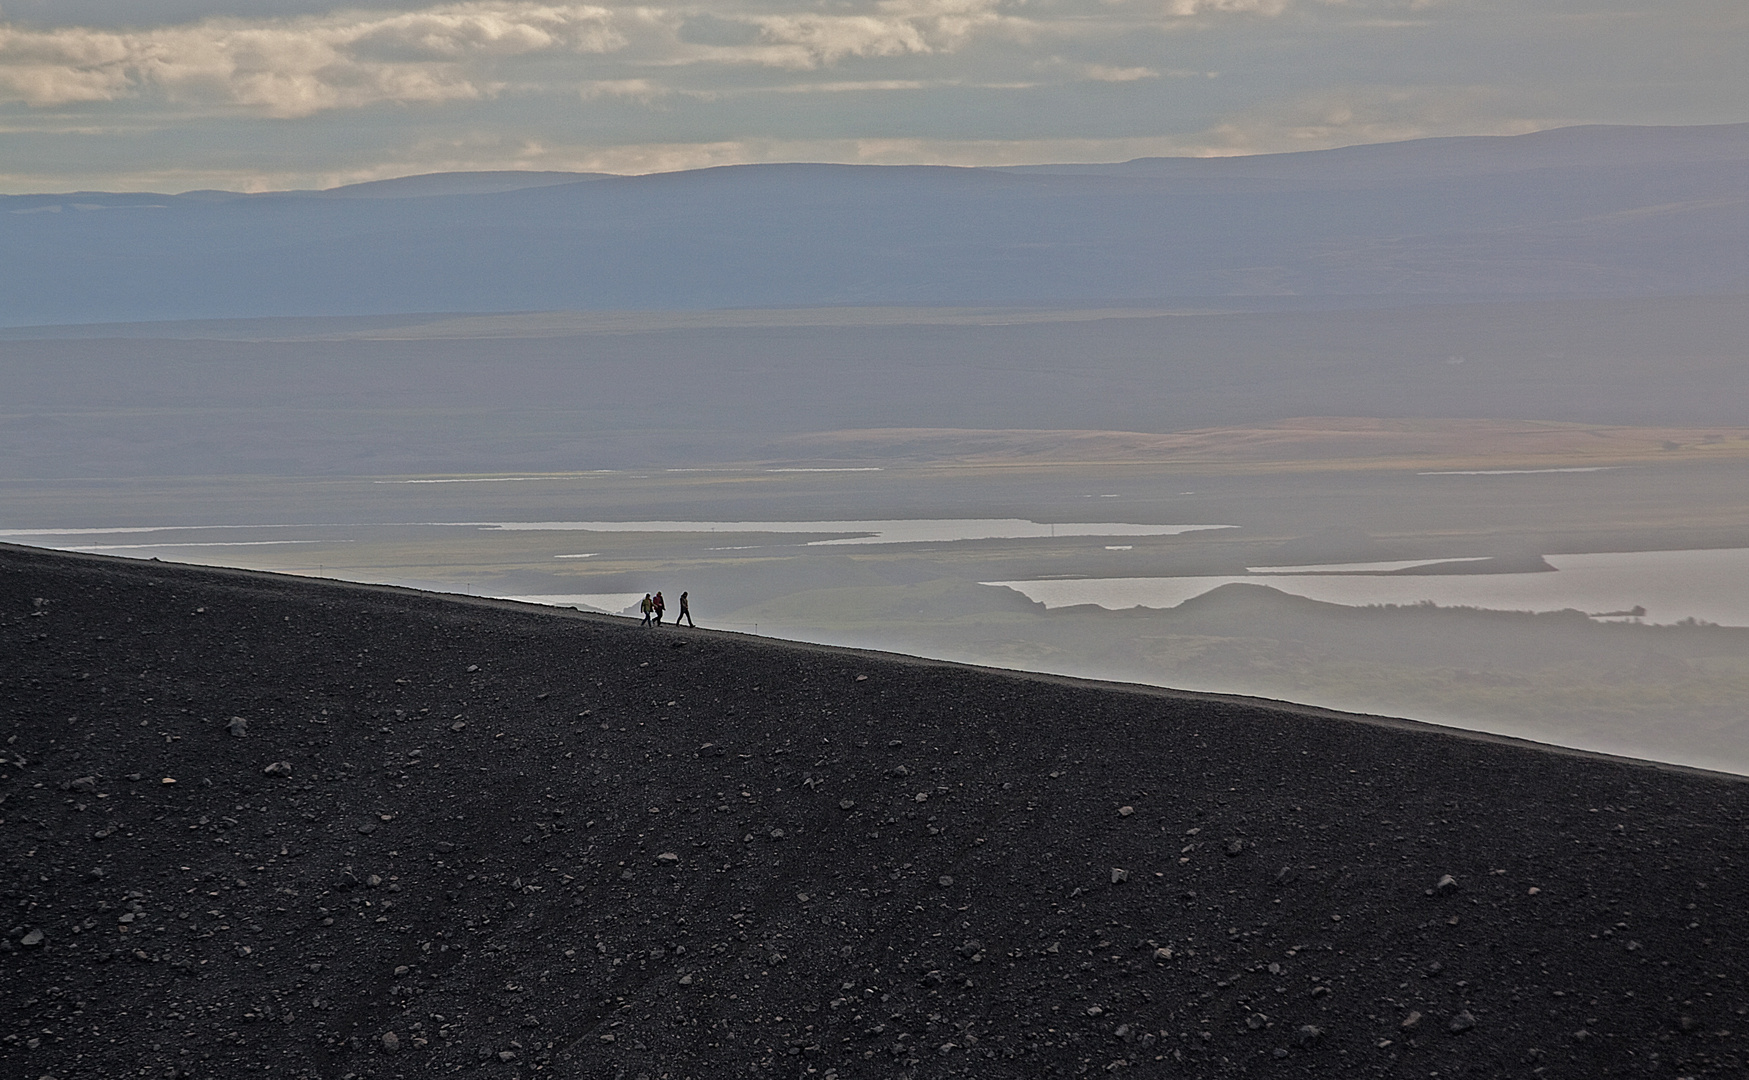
(1711, 585)
(899, 531)
(885, 531)
(612, 603)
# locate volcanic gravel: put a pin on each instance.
(253, 824)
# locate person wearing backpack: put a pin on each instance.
(659, 607)
(648, 607)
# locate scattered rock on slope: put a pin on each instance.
(535, 893)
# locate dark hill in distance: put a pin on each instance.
(523, 842)
(1585, 212)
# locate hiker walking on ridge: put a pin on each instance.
(660, 607)
(648, 607)
(684, 613)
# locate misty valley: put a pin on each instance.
(1449, 429)
(1537, 619)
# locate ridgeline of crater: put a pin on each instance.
(253, 824)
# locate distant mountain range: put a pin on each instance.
(1576, 212)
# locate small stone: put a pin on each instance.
(668, 857)
(1256, 1021)
(237, 726)
(391, 1042)
(1119, 874)
(1308, 1034)
(401, 970)
(846, 804)
(1162, 954)
(473, 668)
(862, 678)
(373, 880)
(1410, 1021)
(1095, 1010)
(168, 780)
(444, 847)
(686, 980)
(1125, 811)
(946, 1048)
(34, 937)
(367, 828)
(1279, 1052)
(945, 880)
(1533, 891)
(84, 784)
(1234, 847)
(460, 724)
(923, 796)
(278, 768)
(504, 1055)
(1446, 885)
(1462, 1022)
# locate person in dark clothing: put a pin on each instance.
(685, 613)
(660, 607)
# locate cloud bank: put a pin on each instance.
(298, 66)
(295, 67)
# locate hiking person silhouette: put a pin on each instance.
(684, 613)
(648, 607)
(659, 607)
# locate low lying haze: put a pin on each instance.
(171, 95)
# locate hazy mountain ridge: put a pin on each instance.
(1585, 146)
(1584, 212)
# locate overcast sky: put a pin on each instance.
(170, 95)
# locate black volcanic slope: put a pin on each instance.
(514, 842)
